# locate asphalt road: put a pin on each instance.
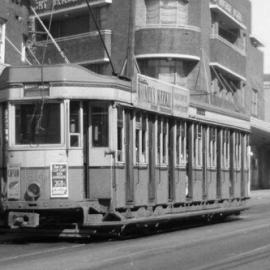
(239, 243)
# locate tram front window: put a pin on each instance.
(38, 123)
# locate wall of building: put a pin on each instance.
(267, 97)
(15, 15)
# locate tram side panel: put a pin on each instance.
(197, 162)
(211, 163)
(181, 163)
(225, 150)
(141, 165)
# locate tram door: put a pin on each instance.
(3, 115)
(86, 149)
(152, 159)
(129, 157)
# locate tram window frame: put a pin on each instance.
(197, 145)
(225, 149)
(75, 124)
(120, 143)
(100, 133)
(181, 144)
(237, 150)
(162, 141)
(211, 147)
(140, 138)
(59, 136)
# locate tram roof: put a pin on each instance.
(57, 73)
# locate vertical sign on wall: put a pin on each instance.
(13, 181)
(59, 180)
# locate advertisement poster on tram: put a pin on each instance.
(13, 181)
(59, 180)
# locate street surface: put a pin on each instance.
(240, 243)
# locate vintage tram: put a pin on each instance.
(82, 152)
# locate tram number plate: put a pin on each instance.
(23, 220)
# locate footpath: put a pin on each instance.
(261, 196)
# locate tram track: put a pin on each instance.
(239, 260)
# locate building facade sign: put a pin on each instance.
(159, 96)
(227, 7)
(46, 5)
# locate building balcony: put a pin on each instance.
(177, 42)
(84, 48)
(227, 55)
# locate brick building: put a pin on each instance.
(204, 46)
(13, 32)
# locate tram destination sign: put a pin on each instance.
(59, 180)
(159, 96)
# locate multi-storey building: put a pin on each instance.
(204, 46)
(13, 32)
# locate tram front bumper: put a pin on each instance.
(23, 220)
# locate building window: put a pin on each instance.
(162, 141)
(74, 123)
(254, 102)
(167, 12)
(120, 134)
(38, 123)
(2, 42)
(197, 145)
(181, 141)
(100, 125)
(171, 71)
(140, 138)
(212, 147)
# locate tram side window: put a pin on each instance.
(140, 138)
(120, 134)
(212, 147)
(162, 141)
(225, 149)
(237, 150)
(181, 156)
(38, 123)
(197, 145)
(74, 125)
(100, 125)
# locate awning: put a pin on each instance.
(227, 17)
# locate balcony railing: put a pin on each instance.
(237, 48)
(81, 48)
(169, 26)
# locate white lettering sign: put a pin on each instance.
(229, 9)
(59, 180)
(159, 96)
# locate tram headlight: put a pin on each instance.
(33, 191)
